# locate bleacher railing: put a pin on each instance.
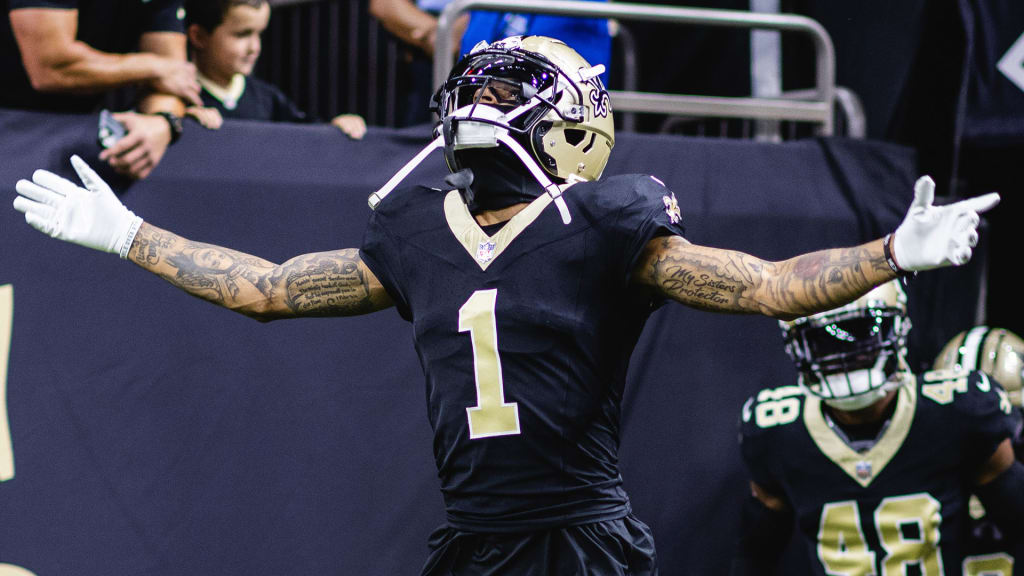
(817, 108)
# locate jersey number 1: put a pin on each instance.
(491, 416)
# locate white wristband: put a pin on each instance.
(129, 238)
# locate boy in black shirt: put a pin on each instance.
(224, 37)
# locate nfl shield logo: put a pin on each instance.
(863, 470)
(485, 251)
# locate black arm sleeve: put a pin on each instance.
(764, 534)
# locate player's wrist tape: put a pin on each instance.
(887, 252)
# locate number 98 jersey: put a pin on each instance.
(902, 503)
(524, 335)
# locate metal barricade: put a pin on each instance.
(332, 57)
(817, 109)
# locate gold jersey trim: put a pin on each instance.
(874, 460)
(472, 237)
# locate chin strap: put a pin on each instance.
(553, 190)
(471, 133)
(379, 195)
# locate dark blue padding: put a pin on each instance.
(156, 434)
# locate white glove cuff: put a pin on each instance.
(128, 237)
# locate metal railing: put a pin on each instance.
(817, 108)
(331, 56)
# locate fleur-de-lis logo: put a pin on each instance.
(672, 208)
(599, 98)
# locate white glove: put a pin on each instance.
(90, 216)
(934, 236)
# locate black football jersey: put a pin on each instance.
(992, 551)
(900, 507)
(524, 338)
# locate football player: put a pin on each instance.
(999, 353)
(527, 285)
(872, 462)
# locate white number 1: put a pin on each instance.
(491, 416)
(6, 323)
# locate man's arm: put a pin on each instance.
(140, 151)
(407, 22)
(728, 281)
(56, 61)
(414, 26)
(765, 529)
(170, 92)
(1000, 487)
(335, 283)
(323, 284)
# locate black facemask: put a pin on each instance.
(499, 179)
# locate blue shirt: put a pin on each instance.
(588, 36)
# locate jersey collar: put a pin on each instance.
(863, 467)
(228, 96)
(482, 248)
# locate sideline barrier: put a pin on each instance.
(153, 433)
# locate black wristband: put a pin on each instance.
(175, 123)
(890, 260)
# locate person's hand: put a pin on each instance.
(351, 124)
(138, 153)
(178, 78)
(208, 117)
(90, 216)
(933, 236)
(424, 38)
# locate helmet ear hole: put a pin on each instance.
(574, 136)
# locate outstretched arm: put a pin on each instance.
(729, 281)
(323, 284)
(335, 283)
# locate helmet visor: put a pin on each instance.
(846, 342)
(510, 80)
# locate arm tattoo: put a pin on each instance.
(326, 285)
(321, 284)
(729, 281)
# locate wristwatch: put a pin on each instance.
(175, 122)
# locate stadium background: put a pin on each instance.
(153, 434)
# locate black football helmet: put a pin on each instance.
(853, 355)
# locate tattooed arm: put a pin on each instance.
(334, 283)
(727, 281)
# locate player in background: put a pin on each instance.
(999, 353)
(870, 463)
(527, 282)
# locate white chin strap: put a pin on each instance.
(473, 134)
(855, 389)
(386, 189)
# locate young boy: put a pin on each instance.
(224, 38)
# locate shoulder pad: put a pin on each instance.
(967, 390)
(772, 407)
